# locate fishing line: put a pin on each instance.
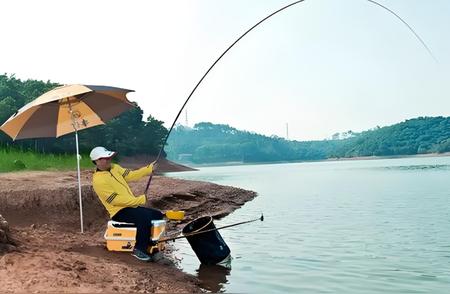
(242, 36)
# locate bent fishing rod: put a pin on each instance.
(206, 73)
(242, 36)
(261, 218)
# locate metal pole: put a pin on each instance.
(79, 182)
(261, 218)
(74, 124)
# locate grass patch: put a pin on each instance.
(15, 160)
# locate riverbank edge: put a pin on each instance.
(79, 261)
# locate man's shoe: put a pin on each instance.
(141, 255)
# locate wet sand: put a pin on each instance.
(51, 255)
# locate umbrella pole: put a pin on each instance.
(79, 181)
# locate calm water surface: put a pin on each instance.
(349, 227)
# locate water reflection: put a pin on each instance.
(213, 277)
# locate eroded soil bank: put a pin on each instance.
(50, 255)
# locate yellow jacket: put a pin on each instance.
(113, 190)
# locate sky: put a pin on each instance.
(321, 66)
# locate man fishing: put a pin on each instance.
(110, 183)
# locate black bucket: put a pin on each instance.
(209, 247)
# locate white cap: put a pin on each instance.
(101, 152)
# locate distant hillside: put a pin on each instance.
(415, 136)
(214, 143)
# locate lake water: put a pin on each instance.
(367, 226)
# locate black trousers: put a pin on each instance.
(142, 217)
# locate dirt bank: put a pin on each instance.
(52, 256)
(6, 242)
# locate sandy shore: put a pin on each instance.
(445, 154)
(52, 256)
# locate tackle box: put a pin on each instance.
(121, 236)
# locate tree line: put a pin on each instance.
(213, 143)
(129, 133)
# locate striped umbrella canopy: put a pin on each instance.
(67, 109)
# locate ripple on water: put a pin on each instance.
(418, 167)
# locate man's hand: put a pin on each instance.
(154, 166)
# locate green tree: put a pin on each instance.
(127, 133)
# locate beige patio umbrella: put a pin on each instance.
(67, 109)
